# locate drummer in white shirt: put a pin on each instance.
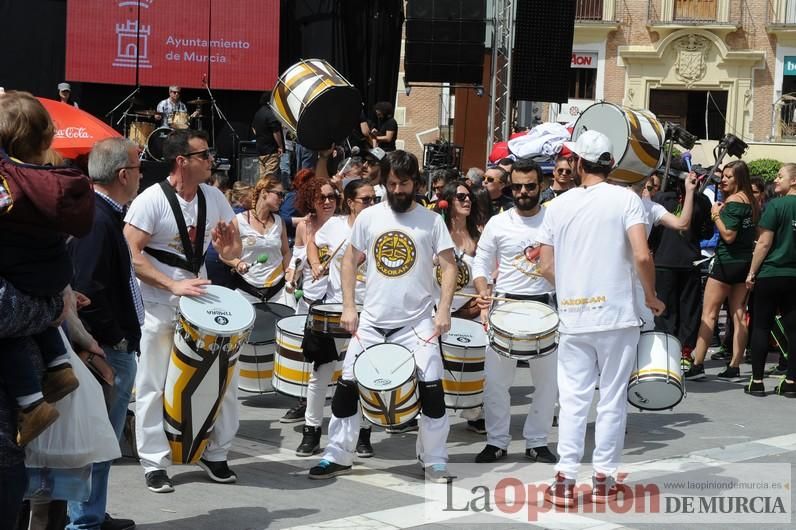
(333, 236)
(509, 245)
(266, 254)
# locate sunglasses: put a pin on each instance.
(174, 91)
(530, 186)
(366, 201)
(205, 154)
(651, 187)
(491, 179)
(461, 197)
(330, 198)
(563, 171)
(280, 194)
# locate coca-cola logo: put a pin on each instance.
(72, 132)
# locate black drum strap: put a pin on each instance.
(193, 252)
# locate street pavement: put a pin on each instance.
(716, 422)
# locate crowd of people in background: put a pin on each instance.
(733, 246)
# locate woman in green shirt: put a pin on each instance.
(773, 276)
(735, 219)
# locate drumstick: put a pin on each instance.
(326, 265)
(495, 298)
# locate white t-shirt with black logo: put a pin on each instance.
(510, 245)
(399, 287)
(334, 232)
(594, 267)
(150, 212)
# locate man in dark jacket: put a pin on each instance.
(103, 272)
(677, 278)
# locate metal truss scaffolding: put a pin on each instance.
(500, 111)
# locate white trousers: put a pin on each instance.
(584, 361)
(433, 432)
(499, 374)
(316, 396)
(157, 339)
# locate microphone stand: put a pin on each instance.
(109, 114)
(214, 107)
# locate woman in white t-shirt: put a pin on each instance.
(334, 234)
(317, 199)
(266, 254)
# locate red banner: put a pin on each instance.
(232, 44)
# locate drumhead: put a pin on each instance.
(524, 318)
(293, 325)
(384, 366)
(465, 334)
(608, 119)
(266, 317)
(154, 144)
(220, 310)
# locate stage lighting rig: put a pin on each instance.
(680, 136)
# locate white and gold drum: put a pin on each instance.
(636, 135)
(388, 392)
(463, 357)
(523, 329)
(256, 361)
(656, 382)
(325, 318)
(211, 329)
(316, 103)
(291, 370)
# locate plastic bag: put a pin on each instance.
(82, 434)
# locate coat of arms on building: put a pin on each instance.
(691, 63)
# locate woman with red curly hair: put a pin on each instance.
(317, 199)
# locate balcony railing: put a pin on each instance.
(781, 13)
(595, 11)
(695, 12)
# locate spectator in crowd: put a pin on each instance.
(562, 180)
(495, 180)
(385, 131)
(474, 177)
(268, 135)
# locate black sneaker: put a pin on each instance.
(786, 389)
(159, 482)
(541, 454)
(218, 471)
(695, 373)
(490, 454)
(409, 426)
(721, 355)
(755, 389)
(561, 492)
(364, 449)
(326, 469)
(730, 374)
(294, 415)
(310, 441)
(117, 524)
(477, 426)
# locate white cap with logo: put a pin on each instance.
(593, 146)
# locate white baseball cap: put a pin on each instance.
(64, 86)
(593, 146)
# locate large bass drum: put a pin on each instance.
(316, 103)
(637, 137)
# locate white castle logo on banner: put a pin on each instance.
(130, 36)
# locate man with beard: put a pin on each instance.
(399, 239)
(593, 238)
(509, 245)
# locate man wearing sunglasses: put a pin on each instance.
(168, 243)
(510, 240)
(495, 179)
(167, 108)
(562, 180)
(594, 242)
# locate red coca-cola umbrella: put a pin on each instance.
(76, 131)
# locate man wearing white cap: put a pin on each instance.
(594, 236)
(65, 95)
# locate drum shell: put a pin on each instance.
(523, 344)
(391, 406)
(291, 373)
(179, 120)
(256, 361)
(325, 318)
(139, 132)
(316, 103)
(656, 382)
(154, 143)
(463, 363)
(636, 135)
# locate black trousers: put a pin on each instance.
(681, 291)
(770, 294)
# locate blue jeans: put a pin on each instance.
(305, 158)
(91, 514)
